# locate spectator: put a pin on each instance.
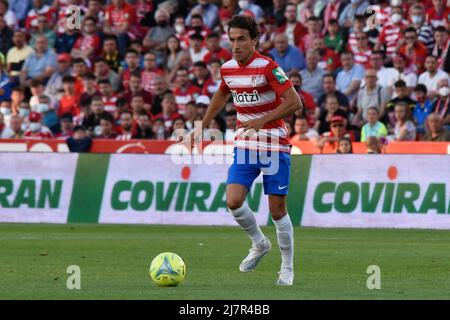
(385, 75)
(413, 49)
(169, 111)
(442, 104)
(36, 129)
(185, 91)
(159, 129)
(215, 51)
(329, 60)
(5, 109)
(334, 38)
(286, 55)
(344, 146)
(401, 92)
(400, 62)
(103, 71)
(108, 96)
(110, 53)
(331, 109)
(211, 86)
(43, 28)
(347, 16)
(80, 141)
(143, 128)
(268, 34)
(432, 76)
(157, 36)
(196, 48)
(49, 116)
(37, 89)
(107, 127)
(293, 29)
(202, 103)
(5, 85)
(310, 109)
(438, 13)
(424, 29)
(17, 97)
(39, 65)
(38, 8)
(159, 88)
(441, 48)
(197, 26)
(359, 25)
(172, 52)
(126, 126)
(88, 45)
(276, 11)
(302, 131)
(348, 80)
(337, 125)
(20, 9)
(209, 11)
(201, 77)
(391, 33)
(6, 36)
(119, 20)
(362, 51)
(69, 102)
(92, 119)
(179, 26)
(248, 7)
(65, 41)
(17, 55)
(423, 107)
(314, 31)
(90, 87)
(66, 125)
(329, 87)
(435, 129)
(374, 145)
(312, 75)
(14, 130)
(231, 123)
(132, 60)
(54, 85)
(135, 89)
(373, 127)
(404, 129)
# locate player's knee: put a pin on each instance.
(234, 204)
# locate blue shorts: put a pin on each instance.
(247, 165)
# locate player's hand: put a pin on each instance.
(252, 125)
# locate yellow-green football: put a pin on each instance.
(167, 269)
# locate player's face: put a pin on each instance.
(242, 45)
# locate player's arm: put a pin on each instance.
(291, 103)
(218, 101)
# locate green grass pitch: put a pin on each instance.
(114, 262)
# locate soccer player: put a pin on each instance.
(263, 96)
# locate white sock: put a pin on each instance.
(285, 236)
(246, 219)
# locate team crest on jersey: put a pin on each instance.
(245, 97)
(280, 75)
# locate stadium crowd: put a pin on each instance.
(143, 68)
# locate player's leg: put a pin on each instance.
(239, 181)
(285, 237)
(245, 217)
(276, 183)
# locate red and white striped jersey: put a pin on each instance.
(362, 57)
(256, 88)
(390, 35)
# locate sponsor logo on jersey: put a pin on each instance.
(246, 97)
(280, 75)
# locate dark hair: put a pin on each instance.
(197, 16)
(35, 83)
(126, 111)
(89, 76)
(231, 113)
(344, 139)
(421, 87)
(136, 74)
(103, 81)
(213, 35)
(91, 19)
(100, 59)
(196, 36)
(78, 128)
(360, 17)
(374, 108)
(410, 29)
(312, 18)
(246, 23)
(110, 37)
(79, 60)
(440, 29)
(107, 116)
(200, 64)
(96, 97)
(132, 51)
(143, 113)
(400, 84)
(67, 116)
(68, 79)
(329, 75)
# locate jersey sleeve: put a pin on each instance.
(277, 78)
(224, 87)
